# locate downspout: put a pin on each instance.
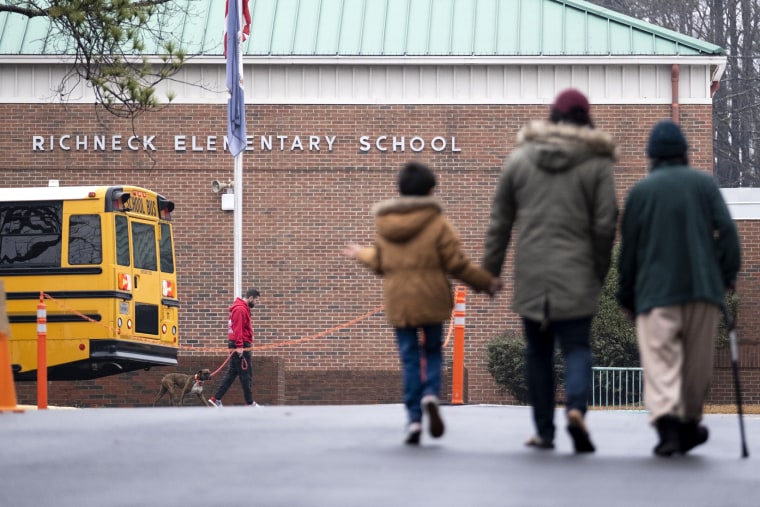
(675, 71)
(717, 73)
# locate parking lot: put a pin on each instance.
(346, 456)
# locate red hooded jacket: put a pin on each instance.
(240, 328)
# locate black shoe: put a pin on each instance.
(692, 434)
(430, 403)
(576, 426)
(670, 440)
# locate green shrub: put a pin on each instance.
(613, 335)
(506, 364)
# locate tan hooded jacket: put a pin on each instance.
(557, 188)
(415, 248)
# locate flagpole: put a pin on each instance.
(237, 28)
(238, 226)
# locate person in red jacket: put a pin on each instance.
(240, 338)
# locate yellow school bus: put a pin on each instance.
(103, 259)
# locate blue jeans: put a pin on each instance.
(573, 337)
(236, 370)
(415, 386)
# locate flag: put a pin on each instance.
(237, 29)
(245, 29)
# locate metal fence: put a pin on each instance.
(617, 388)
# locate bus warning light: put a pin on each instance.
(167, 288)
(125, 281)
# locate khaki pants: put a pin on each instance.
(676, 345)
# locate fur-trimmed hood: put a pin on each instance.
(556, 147)
(402, 218)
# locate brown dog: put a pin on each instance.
(178, 385)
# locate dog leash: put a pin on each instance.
(243, 364)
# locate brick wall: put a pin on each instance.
(300, 208)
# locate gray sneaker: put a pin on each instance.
(215, 403)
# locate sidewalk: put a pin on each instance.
(350, 456)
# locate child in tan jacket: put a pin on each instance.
(415, 249)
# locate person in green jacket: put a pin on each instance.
(680, 252)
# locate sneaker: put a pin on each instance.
(537, 442)
(254, 404)
(578, 432)
(413, 432)
(430, 403)
(215, 403)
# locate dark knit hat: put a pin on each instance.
(666, 141)
(570, 100)
(571, 106)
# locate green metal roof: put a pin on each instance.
(395, 28)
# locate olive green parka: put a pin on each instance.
(557, 190)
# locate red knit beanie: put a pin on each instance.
(569, 100)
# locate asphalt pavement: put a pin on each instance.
(350, 456)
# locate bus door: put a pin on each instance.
(146, 281)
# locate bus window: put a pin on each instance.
(85, 245)
(165, 247)
(144, 240)
(122, 241)
(30, 234)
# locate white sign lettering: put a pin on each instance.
(262, 142)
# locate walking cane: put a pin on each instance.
(731, 326)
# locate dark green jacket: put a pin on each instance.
(679, 243)
(558, 191)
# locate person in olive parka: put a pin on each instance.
(680, 252)
(557, 190)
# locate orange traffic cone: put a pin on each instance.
(7, 388)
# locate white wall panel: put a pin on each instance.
(580, 77)
(648, 80)
(563, 77)
(494, 82)
(327, 86)
(462, 88)
(514, 83)
(429, 81)
(528, 83)
(614, 81)
(547, 81)
(311, 76)
(412, 84)
(445, 84)
(393, 84)
(631, 81)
